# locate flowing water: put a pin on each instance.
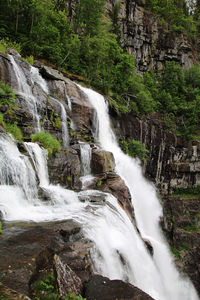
(119, 252)
(25, 90)
(65, 131)
(160, 277)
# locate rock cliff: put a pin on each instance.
(150, 42)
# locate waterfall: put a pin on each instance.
(86, 153)
(65, 132)
(147, 213)
(23, 89)
(39, 159)
(37, 78)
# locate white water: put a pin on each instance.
(86, 154)
(65, 132)
(37, 78)
(24, 90)
(160, 278)
(119, 252)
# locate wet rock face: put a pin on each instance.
(181, 224)
(65, 169)
(102, 161)
(100, 287)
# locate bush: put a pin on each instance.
(15, 131)
(135, 149)
(190, 190)
(7, 96)
(47, 141)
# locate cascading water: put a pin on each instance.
(167, 283)
(86, 153)
(119, 252)
(23, 89)
(65, 132)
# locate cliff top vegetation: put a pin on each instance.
(76, 37)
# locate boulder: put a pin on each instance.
(67, 280)
(100, 287)
(102, 161)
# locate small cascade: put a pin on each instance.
(148, 211)
(65, 131)
(15, 168)
(86, 154)
(24, 90)
(37, 78)
(72, 125)
(39, 159)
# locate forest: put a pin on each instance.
(81, 39)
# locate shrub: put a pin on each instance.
(190, 190)
(15, 131)
(135, 149)
(47, 141)
(7, 95)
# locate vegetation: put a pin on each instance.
(45, 289)
(177, 95)
(12, 129)
(15, 131)
(180, 16)
(135, 149)
(1, 227)
(87, 43)
(7, 96)
(47, 141)
(189, 191)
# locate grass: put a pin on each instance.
(46, 140)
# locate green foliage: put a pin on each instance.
(190, 190)
(99, 183)
(192, 228)
(73, 297)
(6, 43)
(2, 123)
(47, 141)
(177, 95)
(135, 149)
(44, 289)
(15, 131)
(176, 14)
(7, 96)
(1, 227)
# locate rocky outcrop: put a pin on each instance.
(150, 42)
(181, 223)
(29, 252)
(100, 287)
(173, 161)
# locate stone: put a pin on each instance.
(68, 282)
(100, 287)
(65, 169)
(102, 161)
(51, 73)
